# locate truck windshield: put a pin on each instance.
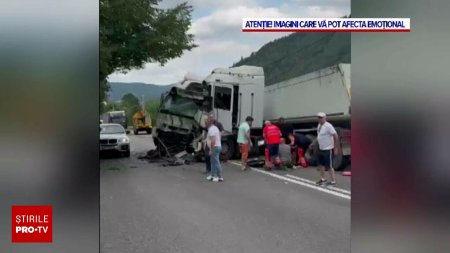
(179, 106)
(118, 120)
(117, 114)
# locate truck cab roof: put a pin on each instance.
(241, 70)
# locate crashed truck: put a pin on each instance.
(232, 94)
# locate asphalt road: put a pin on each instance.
(145, 207)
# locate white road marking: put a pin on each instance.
(338, 194)
(311, 182)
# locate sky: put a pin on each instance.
(217, 29)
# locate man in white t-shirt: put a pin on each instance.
(205, 137)
(328, 141)
(215, 147)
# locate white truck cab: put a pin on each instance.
(237, 93)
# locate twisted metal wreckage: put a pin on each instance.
(180, 126)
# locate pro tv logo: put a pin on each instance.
(31, 224)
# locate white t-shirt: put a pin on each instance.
(214, 131)
(325, 134)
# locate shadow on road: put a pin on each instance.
(111, 155)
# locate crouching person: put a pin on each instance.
(285, 156)
(299, 145)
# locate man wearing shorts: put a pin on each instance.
(328, 141)
(244, 140)
(272, 137)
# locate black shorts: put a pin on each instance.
(325, 158)
(273, 149)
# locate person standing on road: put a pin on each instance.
(206, 148)
(244, 141)
(328, 141)
(286, 129)
(272, 136)
(215, 147)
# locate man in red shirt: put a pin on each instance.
(272, 137)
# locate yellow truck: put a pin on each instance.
(142, 122)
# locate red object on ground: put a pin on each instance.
(347, 173)
(302, 159)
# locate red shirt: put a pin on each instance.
(272, 134)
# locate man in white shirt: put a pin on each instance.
(328, 141)
(205, 137)
(215, 147)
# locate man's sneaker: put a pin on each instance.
(331, 183)
(209, 178)
(321, 182)
(221, 179)
(215, 179)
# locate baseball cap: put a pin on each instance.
(321, 115)
(249, 118)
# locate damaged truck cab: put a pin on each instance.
(230, 94)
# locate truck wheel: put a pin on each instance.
(340, 162)
(310, 137)
(311, 157)
(136, 132)
(127, 154)
(311, 153)
(227, 150)
(149, 131)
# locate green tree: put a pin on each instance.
(152, 108)
(135, 32)
(130, 104)
(112, 106)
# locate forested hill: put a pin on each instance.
(148, 91)
(300, 53)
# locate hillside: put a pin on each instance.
(149, 91)
(300, 53)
